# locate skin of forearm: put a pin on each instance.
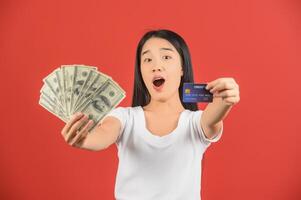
(213, 115)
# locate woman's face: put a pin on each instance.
(161, 68)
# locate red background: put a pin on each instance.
(257, 42)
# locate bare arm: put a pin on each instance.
(211, 119)
(226, 94)
(103, 136)
(100, 138)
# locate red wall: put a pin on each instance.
(255, 41)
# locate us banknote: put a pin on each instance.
(80, 88)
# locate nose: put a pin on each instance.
(157, 68)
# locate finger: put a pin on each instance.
(226, 93)
(81, 134)
(212, 84)
(74, 118)
(79, 143)
(75, 128)
(82, 137)
(223, 86)
(231, 100)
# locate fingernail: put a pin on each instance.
(91, 123)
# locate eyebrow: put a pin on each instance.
(168, 49)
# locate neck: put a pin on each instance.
(173, 104)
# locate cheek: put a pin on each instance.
(175, 71)
(145, 76)
(175, 67)
(175, 79)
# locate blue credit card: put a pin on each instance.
(196, 92)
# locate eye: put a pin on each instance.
(147, 59)
(166, 57)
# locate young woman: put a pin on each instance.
(160, 139)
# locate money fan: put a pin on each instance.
(80, 88)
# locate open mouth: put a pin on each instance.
(158, 82)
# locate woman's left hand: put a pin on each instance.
(226, 88)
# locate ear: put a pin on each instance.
(182, 73)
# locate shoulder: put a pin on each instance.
(190, 119)
(125, 110)
(192, 115)
(196, 127)
(126, 117)
(124, 113)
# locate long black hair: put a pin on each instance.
(141, 96)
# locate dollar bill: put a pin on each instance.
(80, 78)
(68, 73)
(46, 90)
(52, 109)
(86, 84)
(98, 80)
(103, 101)
(80, 88)
(53, 82)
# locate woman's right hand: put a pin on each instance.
(76, 130)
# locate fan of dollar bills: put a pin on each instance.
(80, 88)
